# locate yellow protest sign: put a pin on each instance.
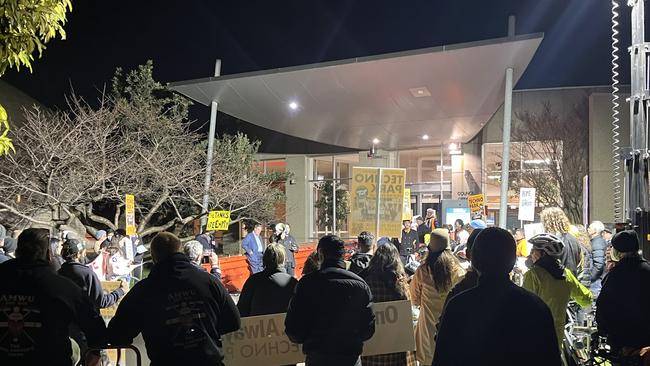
(476, 203)
(407, 213)
(130, 215)
(107, 288)
(218, 220)
(377, 185)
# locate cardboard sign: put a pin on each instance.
(367, 190)
(108, 287)
(526, 204)
(218, 220)
(261, 339)
(476, 203)
(130, 215)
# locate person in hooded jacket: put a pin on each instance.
(39, 306)
(181, 311)
(496, 322)
(331, 313)
(360, 260)
(552, 282)
(622, 306)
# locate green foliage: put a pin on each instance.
(6, 146)
(26, 26)
(324, 204)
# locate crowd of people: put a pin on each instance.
(470, 312)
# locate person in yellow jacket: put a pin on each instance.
(553, 283)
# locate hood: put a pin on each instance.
(552, 266)
(175, 264)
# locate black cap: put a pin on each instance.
(626, 241)
(71, 248)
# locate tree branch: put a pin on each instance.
(14, 211)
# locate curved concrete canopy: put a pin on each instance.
(447, 93)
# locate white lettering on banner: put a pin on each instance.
(261, 339)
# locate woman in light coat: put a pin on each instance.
(429, 289)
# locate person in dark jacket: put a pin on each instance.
(471, 276)
(622, 307)
(407, 244)
(598, 254)
(38, 307)
(269, 291)
(281, 235)
(85, 277)
(498, 322)
(312, 264)
(422, 230)
(360, 260)
(181, 311)
(331, 312)
(207, 241)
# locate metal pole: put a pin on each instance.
(208, 162)
(333, 195)
(378, 188)
(442, 172)
(505, 157)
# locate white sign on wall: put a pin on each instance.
(526, 204)
(261, 339)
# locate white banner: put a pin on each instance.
(526, 204)
(261, 339)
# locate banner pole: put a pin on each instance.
(378, 187)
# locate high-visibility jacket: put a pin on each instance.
(556, 293)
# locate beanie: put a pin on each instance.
(626, 241)
(439, 240)
(477, 224)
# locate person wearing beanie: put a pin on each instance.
(330, 313)
(470, 280)
(429, 288)
(552, 282)
(497, 322)
(622, 306)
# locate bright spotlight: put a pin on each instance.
(293, 105)
(375, 140)
(425, 137)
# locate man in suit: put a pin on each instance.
(254, 249)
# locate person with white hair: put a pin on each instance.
(598, 254)
(193, 249)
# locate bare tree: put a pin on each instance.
(558, 145)
(80, 164)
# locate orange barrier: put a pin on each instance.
(235, 272)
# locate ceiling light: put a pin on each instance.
(293, 105)
(453, 146)
(420, 92)
(425, 137)
(375, 140)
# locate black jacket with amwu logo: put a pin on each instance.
(181, 311)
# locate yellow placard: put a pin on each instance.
(107, 288)
(218, 220)
(130, 215)
(476, 203)
(407, 213)
(366, 190)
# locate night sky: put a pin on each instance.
(183, 38)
